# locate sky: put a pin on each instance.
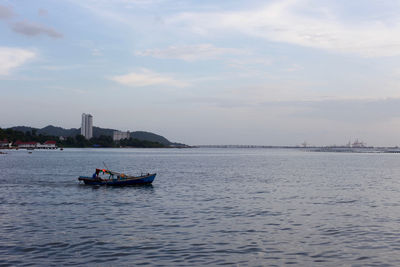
(206, 72)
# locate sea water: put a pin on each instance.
(245, 207)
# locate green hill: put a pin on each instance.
(58, 131)
(49, 130)
(97, 132)
(140, 135)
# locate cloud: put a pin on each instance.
(63, 67)
(146, 77)
(11, 58)
(293, 68)
(6, 12)
(305, 23)
(97, 52)
(34, 29)
(360, 28)
(26, 27)
(351, 110)
(190, 52)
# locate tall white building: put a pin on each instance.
(87, 126)
(121, 135)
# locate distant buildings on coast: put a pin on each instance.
(37, 145)
(355, 144)
(5, 144)
(87, 129)
(87, 126)
(118, 135)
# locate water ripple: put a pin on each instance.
(212, 207)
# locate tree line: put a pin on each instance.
(75, 141)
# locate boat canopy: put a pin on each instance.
(105, 171)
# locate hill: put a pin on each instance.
(58, 131)
(140, 135)
(49, 130)
(97, 132)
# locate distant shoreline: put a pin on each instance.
(304, 149)
(337, 149)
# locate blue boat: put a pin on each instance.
(111, 178)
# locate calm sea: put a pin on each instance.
(244, 207)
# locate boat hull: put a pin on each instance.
(140, 180)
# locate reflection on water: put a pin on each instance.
(205, 207)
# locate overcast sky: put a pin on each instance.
(206, 72)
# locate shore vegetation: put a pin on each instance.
(75, 141)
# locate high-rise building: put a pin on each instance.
(117, 135)
(87, 126)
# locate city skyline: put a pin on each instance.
(248, 72)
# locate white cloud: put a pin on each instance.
(301, 23)
(330, 25)
(293, 68)
(146, 77)
(11, 58)
(190, 52)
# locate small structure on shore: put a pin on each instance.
(5, 144)
(36, 145)
(118, 135)
(48, 145)
(27, 145)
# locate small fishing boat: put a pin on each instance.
(107, 177)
